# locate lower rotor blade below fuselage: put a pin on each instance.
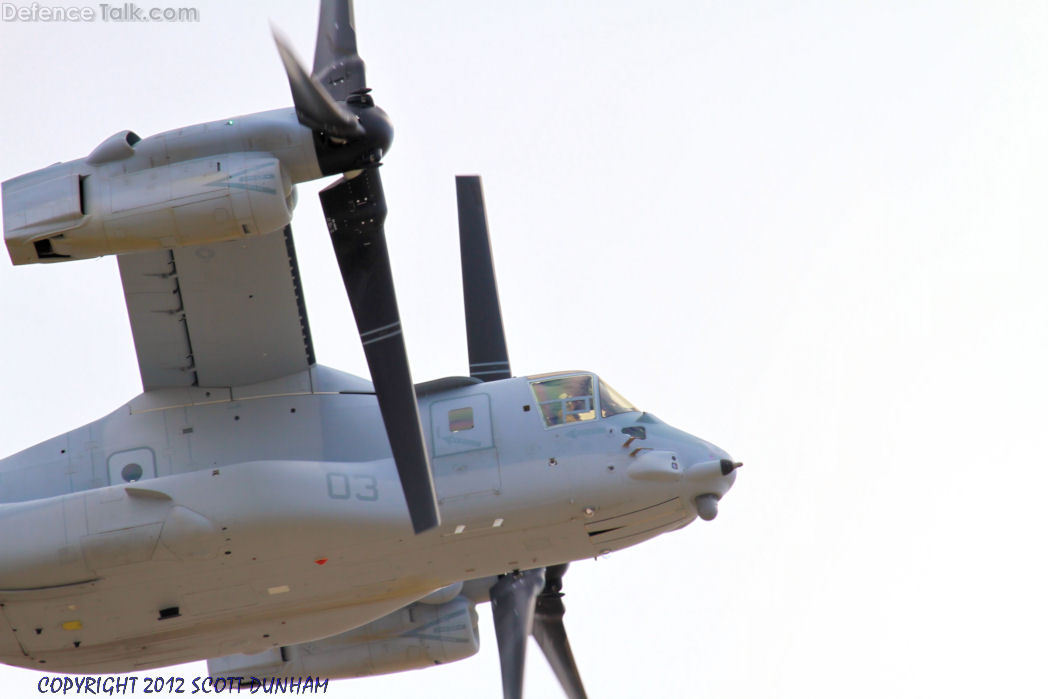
(512, 608)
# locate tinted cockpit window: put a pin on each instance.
(565, 399)
(612, 402)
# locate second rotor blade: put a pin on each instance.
(314, 105)
(485, 334)
(336, 64)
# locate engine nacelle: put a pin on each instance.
(416, 636)
(76, 210)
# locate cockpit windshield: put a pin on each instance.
(567, 399)
(612, 402)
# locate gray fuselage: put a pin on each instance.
(195, 523)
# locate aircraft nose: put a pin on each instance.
(711, 469)
(715, 477)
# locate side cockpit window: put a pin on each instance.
(565, 399)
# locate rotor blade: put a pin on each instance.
(336, 64)
(315, 107)
(513, 608)
(552, 638)
(485, 335)
(355, 211)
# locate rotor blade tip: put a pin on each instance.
(278, 35)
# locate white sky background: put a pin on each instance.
(813, 233)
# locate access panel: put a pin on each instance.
(465, 461)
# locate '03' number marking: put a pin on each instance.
(365, 486)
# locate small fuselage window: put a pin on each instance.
(460, 419)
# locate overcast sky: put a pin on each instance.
(812, 233)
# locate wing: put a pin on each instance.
(225, 314)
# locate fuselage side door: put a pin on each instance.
(465, 461)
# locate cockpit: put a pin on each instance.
(564, 399)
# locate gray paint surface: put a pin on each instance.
(251, 492)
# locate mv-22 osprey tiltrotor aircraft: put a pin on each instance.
(275, 516)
